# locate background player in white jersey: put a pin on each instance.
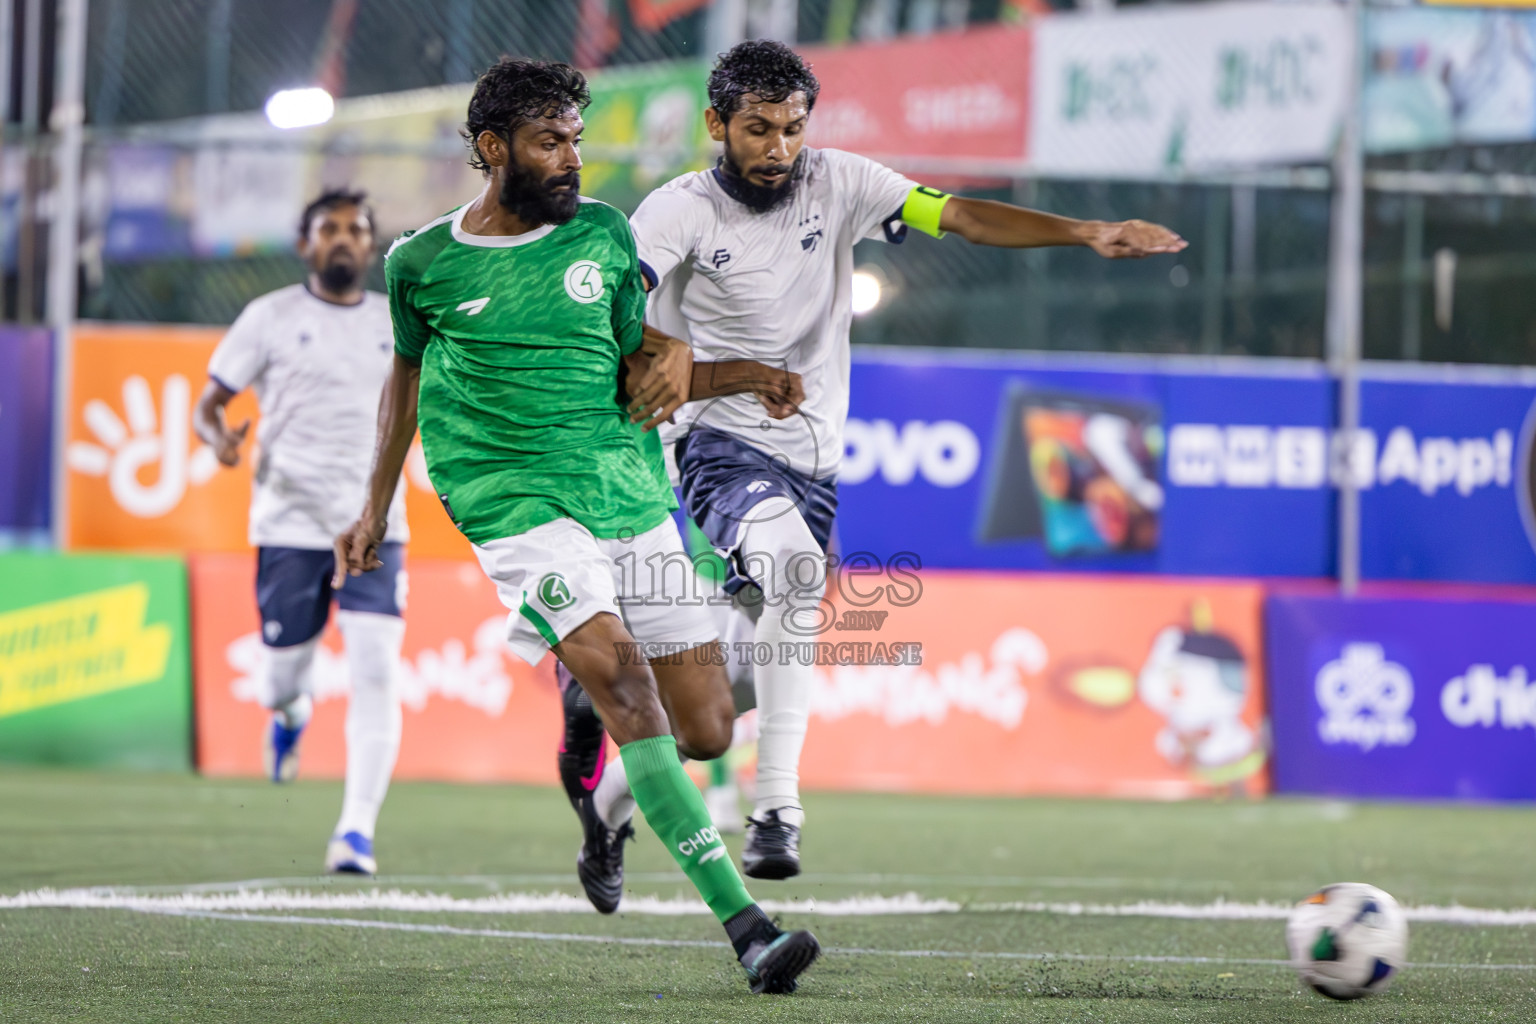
(753, 260)
(317, 355)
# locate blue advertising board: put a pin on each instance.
(1185, 466)
(26, 431)
(1402, 697)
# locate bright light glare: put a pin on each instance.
(300, 108)
(866, 292)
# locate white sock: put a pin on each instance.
(285, 682)
(612, 798)
(789, 567)
(373, 715)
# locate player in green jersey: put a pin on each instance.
(512, 318)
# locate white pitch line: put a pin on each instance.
(619, 940)
(906, 904)
(258, 900)
(495, 882)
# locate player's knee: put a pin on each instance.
(373, 648)
(782, 555)
(704, 733)
(285, 674)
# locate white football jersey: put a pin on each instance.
(318, 370)
(775, 287)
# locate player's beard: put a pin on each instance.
(759, 198)
(534, 201)
(339, 275)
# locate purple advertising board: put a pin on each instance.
(1402, 697)
(26, 430)
(1187, 466)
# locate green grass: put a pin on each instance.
(68, 829)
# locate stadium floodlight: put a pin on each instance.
(866, 292)
(300, 108)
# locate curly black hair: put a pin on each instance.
(764, 68)
(518, 90)
(328, 200)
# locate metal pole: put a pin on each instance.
(7, 49)
(26, 210)
(216, 84)
(1345, 278)
(32, 63)
(68, 124)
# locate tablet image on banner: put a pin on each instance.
(1077, 471)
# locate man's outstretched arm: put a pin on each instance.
(357, 548)
(986, 222)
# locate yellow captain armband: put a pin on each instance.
(922, 210)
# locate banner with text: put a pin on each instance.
(94, 661)
(139, 479)
(946, 682)
(1194, 467)
(473, 711)
(1375, 697)
(958, 99)
(1188, 88)
(26, 434)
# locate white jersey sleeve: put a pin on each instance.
(242, 354)
(667, 229)
(872, 192)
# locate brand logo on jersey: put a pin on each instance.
(554, 592)
(473, 306)
(584, 281)
(720, 258)
(812, 225)
(757, 486)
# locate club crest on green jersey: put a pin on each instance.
(584, 281)
(554, 592)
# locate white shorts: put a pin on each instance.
(557, 576)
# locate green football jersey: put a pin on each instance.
(519, 340)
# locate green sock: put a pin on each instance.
(718, 775)
(675, 811)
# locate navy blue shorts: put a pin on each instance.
(293, 590)
(724, 477)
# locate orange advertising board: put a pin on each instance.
(1128, 687)
(1120, 686)
(473, 712)
(137, 476)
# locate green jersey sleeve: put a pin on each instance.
(411, 330)
(629, 295)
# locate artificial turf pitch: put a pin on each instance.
(166, 835)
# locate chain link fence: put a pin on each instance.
(187, 220)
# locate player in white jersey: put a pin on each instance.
(317, 355)
(753, 259)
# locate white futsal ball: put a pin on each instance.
(1348, 940)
